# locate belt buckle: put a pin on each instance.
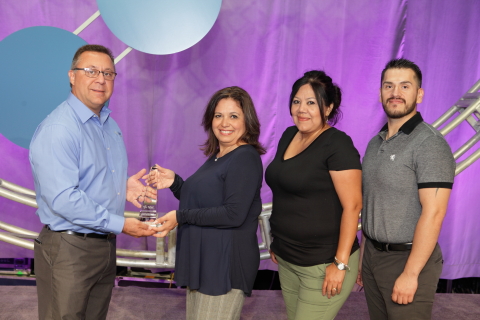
(386, 247)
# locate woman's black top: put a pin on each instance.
(307, 212)
(217, 245)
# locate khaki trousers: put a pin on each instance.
(224, 307)
(75, 276)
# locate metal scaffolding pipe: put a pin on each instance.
(136, 253)
(23, 199)
(475, 87)
(265, 228)
(15, 239)
(160, 251)
(264, 255)
(444, 117)
(16, 188)
(467, 162)
(466, 146)
(450, 112)
(464, 115)
(14, 229)
(267, 206)
(172, 246)
(166, 259)
(142, 263)
(8, 238)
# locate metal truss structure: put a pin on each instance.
(467, 108)
(162, 257)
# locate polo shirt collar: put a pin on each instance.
(83, 112)
(408, 126)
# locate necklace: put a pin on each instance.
(235, 146)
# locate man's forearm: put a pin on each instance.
(424, 241)
(434, 207)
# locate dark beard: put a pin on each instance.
(400, 114)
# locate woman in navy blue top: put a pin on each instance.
(217, 255)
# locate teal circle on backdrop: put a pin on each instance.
(159, 26)
(34, 64)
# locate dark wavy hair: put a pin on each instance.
(326, 93)
(252, 125)
(403, 64)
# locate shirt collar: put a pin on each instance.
(83, 112)
(408, 126)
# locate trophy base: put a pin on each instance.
(149, 221)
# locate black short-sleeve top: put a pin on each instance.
(307, 212)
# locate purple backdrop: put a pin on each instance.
(264, 46)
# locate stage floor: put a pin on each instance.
(20, 302)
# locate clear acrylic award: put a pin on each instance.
(148, 213)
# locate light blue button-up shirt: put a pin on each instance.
(79, 165)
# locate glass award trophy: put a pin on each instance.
(148, 213)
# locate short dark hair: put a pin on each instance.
(403, 64)
(326, 93)
(252, 125)
(90, 47)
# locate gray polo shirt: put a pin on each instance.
(393, 170)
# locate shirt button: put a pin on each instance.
(118, 193)
(108, 148)
(113, 170)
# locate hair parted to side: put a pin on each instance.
(403, 64)
(90, 47)
(252, 125)
(326, 93)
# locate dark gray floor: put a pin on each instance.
(20, 302)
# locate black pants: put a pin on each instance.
(75, 276)
(381, 269)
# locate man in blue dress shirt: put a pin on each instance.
(79, 165)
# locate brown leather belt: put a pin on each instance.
(106, 236)
(391, 246)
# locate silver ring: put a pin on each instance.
(334, 289)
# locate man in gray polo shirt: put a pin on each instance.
(408, 173)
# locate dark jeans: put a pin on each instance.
(381, 269)
(75, 276)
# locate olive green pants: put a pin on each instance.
(302, 289)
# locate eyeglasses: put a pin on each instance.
(93, 73)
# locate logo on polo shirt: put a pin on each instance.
(392, 157)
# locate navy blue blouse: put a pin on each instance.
(217, 245)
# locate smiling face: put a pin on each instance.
(93, 92)
(305, 110)
(228, 123)
(400, 93)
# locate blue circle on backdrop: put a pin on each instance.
(159, 26)
(34, 63)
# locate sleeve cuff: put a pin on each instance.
(444, 185)
(115, 224)
(180, 215)
(176, 183)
